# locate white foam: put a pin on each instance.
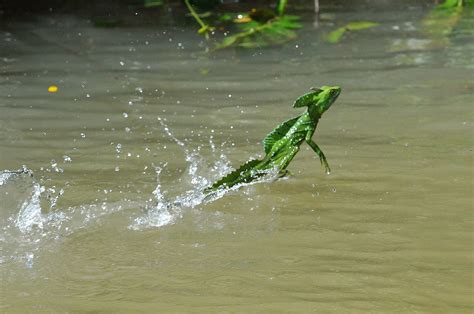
(30, 211)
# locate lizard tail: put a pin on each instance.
(233, 178)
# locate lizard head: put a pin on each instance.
(320, 99)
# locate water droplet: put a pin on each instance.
(29, 260)
(54, 166)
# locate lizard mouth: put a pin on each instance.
(334, 94)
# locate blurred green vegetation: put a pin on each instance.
(250, 24)
(270, 25)
(254, 34)
(259, 27)
(440, 23)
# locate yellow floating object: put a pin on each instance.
(53, 89)
(242, 19)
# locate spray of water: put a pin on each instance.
(164, 211)
(31, 225)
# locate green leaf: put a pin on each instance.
(336, 35)
(449, 4)
(226, 17)
(250, 25)
(355, 26)
(289, 21)
(228, 41)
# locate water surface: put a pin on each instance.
(142, 117)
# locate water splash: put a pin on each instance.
(37, 223)
(30, 212)
(164, 210)
(192, 157)
(161, 214)
(6, 175)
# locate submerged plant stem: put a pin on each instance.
(204, 27)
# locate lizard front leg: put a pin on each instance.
(317, 150)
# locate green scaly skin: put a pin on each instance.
(282, 144)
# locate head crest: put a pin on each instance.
(307, 99)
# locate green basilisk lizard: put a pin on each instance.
(282, 144)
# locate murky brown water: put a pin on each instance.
(390, 230)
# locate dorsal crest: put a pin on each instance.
(277, 134)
